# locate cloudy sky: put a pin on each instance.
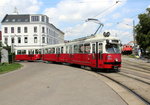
(70, 15)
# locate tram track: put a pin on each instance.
(135, 68)
(134, 77)
(124, 85)
(146, 68)
(138, 74)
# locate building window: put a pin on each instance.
(19, 39)
(5, 29)
(18, 20)
(35, 18)
(13, 20)
(25, 39)
(47, 20)
(12, 40)
(47, 40)
(43, 18)
(35, 29)
(25, 29)
(26, 20)
(12, 29)
(6, 40)
(19, 29)
(43, 29)
(35, 39)
(43, 39)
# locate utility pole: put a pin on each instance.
(134, 41)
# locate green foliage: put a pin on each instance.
(5, 67)
(143, 30)
(148, 52)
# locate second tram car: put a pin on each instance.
(28, 54)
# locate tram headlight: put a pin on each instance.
(116, 60)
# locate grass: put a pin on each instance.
(5, 67)
(132, 56)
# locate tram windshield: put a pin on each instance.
(112, 48)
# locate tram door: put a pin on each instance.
(31, 54)
(97, 49)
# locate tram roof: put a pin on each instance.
(93, 39)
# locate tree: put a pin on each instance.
(143, 30)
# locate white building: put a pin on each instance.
(29, 30)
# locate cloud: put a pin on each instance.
(73, 13)
(124, 36)
(127, 23)
(116, 15)
(80, 30)
(23, 6)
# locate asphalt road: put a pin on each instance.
(54, 84)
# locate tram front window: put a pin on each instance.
(112, 48)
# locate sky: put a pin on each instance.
(70, 15)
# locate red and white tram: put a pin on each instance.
(28, 54)
(96, 52)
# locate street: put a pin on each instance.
(38, 83)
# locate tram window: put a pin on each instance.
(58, 50)
(67, 49)
(49, 51)
(40, 51)
(93, 48)
(46, 51)
(87, 48)
(113, 48)
(81, 48)
(18, 52)
(52, 50)
(31, 52)
(62, 49)
(100, 48)
(23, 51)
(36, 51)
(76, 49)
(70, 49)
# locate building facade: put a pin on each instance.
(29, 30)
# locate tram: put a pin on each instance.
(28, 54)
(97, 52)
(127, 49)
(100, 52)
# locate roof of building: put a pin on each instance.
(22, 18)
(16, 18)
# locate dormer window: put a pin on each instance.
(13, 20)
(43, 19)
(26, 20)
(35, 18)
(19, 20)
